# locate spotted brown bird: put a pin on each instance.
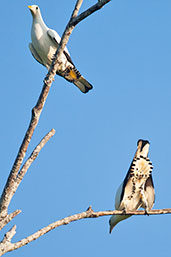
(137, 189)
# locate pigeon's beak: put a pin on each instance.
(30, 7)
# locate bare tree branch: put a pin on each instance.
(88, 12)
(74, 20)
(76, 8)
(8, 218)
(18, 179)
(17, 173)
(83, 215)
(9, 235)
(33, 156)
(56, 63)
(6, 244)
(11, 186)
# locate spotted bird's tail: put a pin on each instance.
(83, 84)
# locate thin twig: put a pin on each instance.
(76, 8)
(34, 155)
(8, 218)
(15, 182)
(88, 12)
(83, 215)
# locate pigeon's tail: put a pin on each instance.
(83, 84)
(73, 75)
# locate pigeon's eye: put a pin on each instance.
(37, 7)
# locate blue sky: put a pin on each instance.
(124, 50)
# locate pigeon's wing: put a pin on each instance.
(53, 35)
(35, 54)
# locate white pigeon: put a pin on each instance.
(45, 41)
(137, 189)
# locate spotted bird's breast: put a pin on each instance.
(139, 172)
(140, 169)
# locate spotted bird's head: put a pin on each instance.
(142, 148)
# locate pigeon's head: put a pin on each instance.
(34, 9)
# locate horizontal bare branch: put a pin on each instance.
(83, 215)
(142, 212)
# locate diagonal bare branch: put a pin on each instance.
(5, 244)
(9, 235)
(8, 218)
(76, 8)
(17, 181)
(10, 186)
(74, 20)
(64, 40)
(88, 12)
(33, 156)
